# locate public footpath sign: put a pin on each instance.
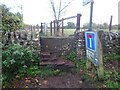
(91, 46)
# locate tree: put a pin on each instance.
(10, 21)
(96, 26)
(105, 25)
(70, 25)
(57, 11)
(86, 26)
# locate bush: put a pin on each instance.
(79, 64)
(111, 57)
(15, 58)
(72, 56)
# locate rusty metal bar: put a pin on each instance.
(67, 18)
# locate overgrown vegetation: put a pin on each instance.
(19, 62)
(10, 21)
(16, 58)
(111, 57)
(111, 77)
(37, 71)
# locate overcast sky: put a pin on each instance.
(37, 11)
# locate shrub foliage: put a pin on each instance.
(16, 58)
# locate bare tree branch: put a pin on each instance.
(59, 10)
(66, 5)
(53, 7)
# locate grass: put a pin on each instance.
(68, 32)
(38, 71)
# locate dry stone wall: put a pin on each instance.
(58, 45)
(64, 45)
(111, 42)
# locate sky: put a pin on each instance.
(37, 11)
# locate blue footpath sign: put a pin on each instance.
(91, 46)
(90, 41)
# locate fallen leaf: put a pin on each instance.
(113, 67)
(26, 78)
(92, 75)
(39, 84)
(17, 76)
(81, 70)
(36, 80)
(27, 81)
(104, 86)
(80, 82)
(45, 82)
(26, 86)
(68, 81)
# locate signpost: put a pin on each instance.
(85, 2)
(91, 46)
(94, 51)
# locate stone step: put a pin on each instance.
(58, 63)
(49, 59)
(69, 64)
(45, 59)
(52, 63)
(45, 55)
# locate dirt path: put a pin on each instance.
(67, 80)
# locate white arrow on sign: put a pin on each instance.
(90, 38)
(90, 42)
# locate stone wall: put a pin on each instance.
(111, 42)
(57, 45)
(64, 45)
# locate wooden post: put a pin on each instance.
(37, 27)
(51, 28)
(78, 22)
(54, 27)
(110, 26)
(100, 68)
(62, 27)
(78, 38)
(41, 27)
(31, 33)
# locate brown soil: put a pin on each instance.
(68, 80)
